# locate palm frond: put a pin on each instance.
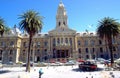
(31, 22)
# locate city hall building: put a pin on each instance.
(60, 44)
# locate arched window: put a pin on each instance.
(64, 22)
(59, 23)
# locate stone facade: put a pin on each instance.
(60, 44)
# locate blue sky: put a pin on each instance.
(82, 14)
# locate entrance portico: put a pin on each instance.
(62, 52)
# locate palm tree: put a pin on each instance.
(7, 29)
(2, 29)
(108, 29)
(31, 23)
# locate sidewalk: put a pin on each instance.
(56, 72)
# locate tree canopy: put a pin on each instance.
(108, 29)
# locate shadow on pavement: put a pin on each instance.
(4, 71)
(79, 70)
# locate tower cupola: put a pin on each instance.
(61, 17)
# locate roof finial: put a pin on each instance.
(61, 4)
(60, 1)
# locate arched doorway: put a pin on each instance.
(38, 59)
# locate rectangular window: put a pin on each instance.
(45, 51)
(24, 44)
(11, 43)
(31, 52)
(32, 44)
(86, 42)
(101, 49)
(100, 42)
(66, 40)
(93, 49)
(31, 58)
(92, 42)
(10, 59)
(53, 45)
(54, 42)
(79, 50)
(114, 49)
(58, 41)
(70, 41)
(23, 52)
(61, 40)
(38, 51)
(2, 44)
(78, 42)
(0, 52)
(45, 43)
(11, 52)
(38, 44)
(86, 50)
(0, 58)
(113, 41)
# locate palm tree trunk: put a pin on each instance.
(111, 52)
(107, 49)
(28, 58)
